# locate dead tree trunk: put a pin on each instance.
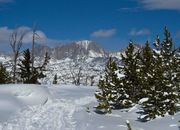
(34, 36)
(16, 40)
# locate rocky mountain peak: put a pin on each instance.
(72, 50)
(84, 43)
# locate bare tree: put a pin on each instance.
(34, 37)
(16, 41)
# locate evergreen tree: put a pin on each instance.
(28, 73)
(162, 96)
(123, 98)
(177, 76)
(4, 75)
(25, 67)
(55, 79)
(107, 93)
(112, 94)
(131, 71)
(170, 67)
(146, 69)
(151, 82)
(46, 61)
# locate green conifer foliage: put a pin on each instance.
(4, 75)
(112, 93)
(131, 72)
(170, 67)
(148, 81)
(55, 79)
(25, 67)
(28, 73)
(162, 96)
(146, 69)
(151, 77)
(152, 73)
(107, 94)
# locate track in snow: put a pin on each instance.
(54, 115)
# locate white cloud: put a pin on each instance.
(141, 32)
(6, 32)
(104, 33)
(160, 4)
(39, 37)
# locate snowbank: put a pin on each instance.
(14, 97)
(71, 108)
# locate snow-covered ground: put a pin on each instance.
(15, 97)
(66, 107)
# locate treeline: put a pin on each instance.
(149, 77)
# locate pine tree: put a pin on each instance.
(177, 74)
(131, 72)
(162, 96)
(147, 76)
(170, 66)
(25, 67)
(28, 73)
(55, 79)
(107, 94)
(123, 98)
(146, 69)
(151, 74)
(46, 61)
(4, 75)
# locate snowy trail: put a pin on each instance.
(54, 115)
(66, 109)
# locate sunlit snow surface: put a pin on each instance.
(66, 107)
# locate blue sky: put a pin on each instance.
(111, 23)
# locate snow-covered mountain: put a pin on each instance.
(72, 50)
(81, 59)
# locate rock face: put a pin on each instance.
(72, 50)
(82, 60)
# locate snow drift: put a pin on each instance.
(15, 97)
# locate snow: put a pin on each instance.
(15, 97)
(127, 121)
(94, 54)
(173, 125)
(143, 100)
(119, 75)
(157, 51)
(84, 43)
(64, 107)
(93, 66)
(134, 108)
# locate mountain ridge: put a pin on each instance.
(72, 50)
(76, 49)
